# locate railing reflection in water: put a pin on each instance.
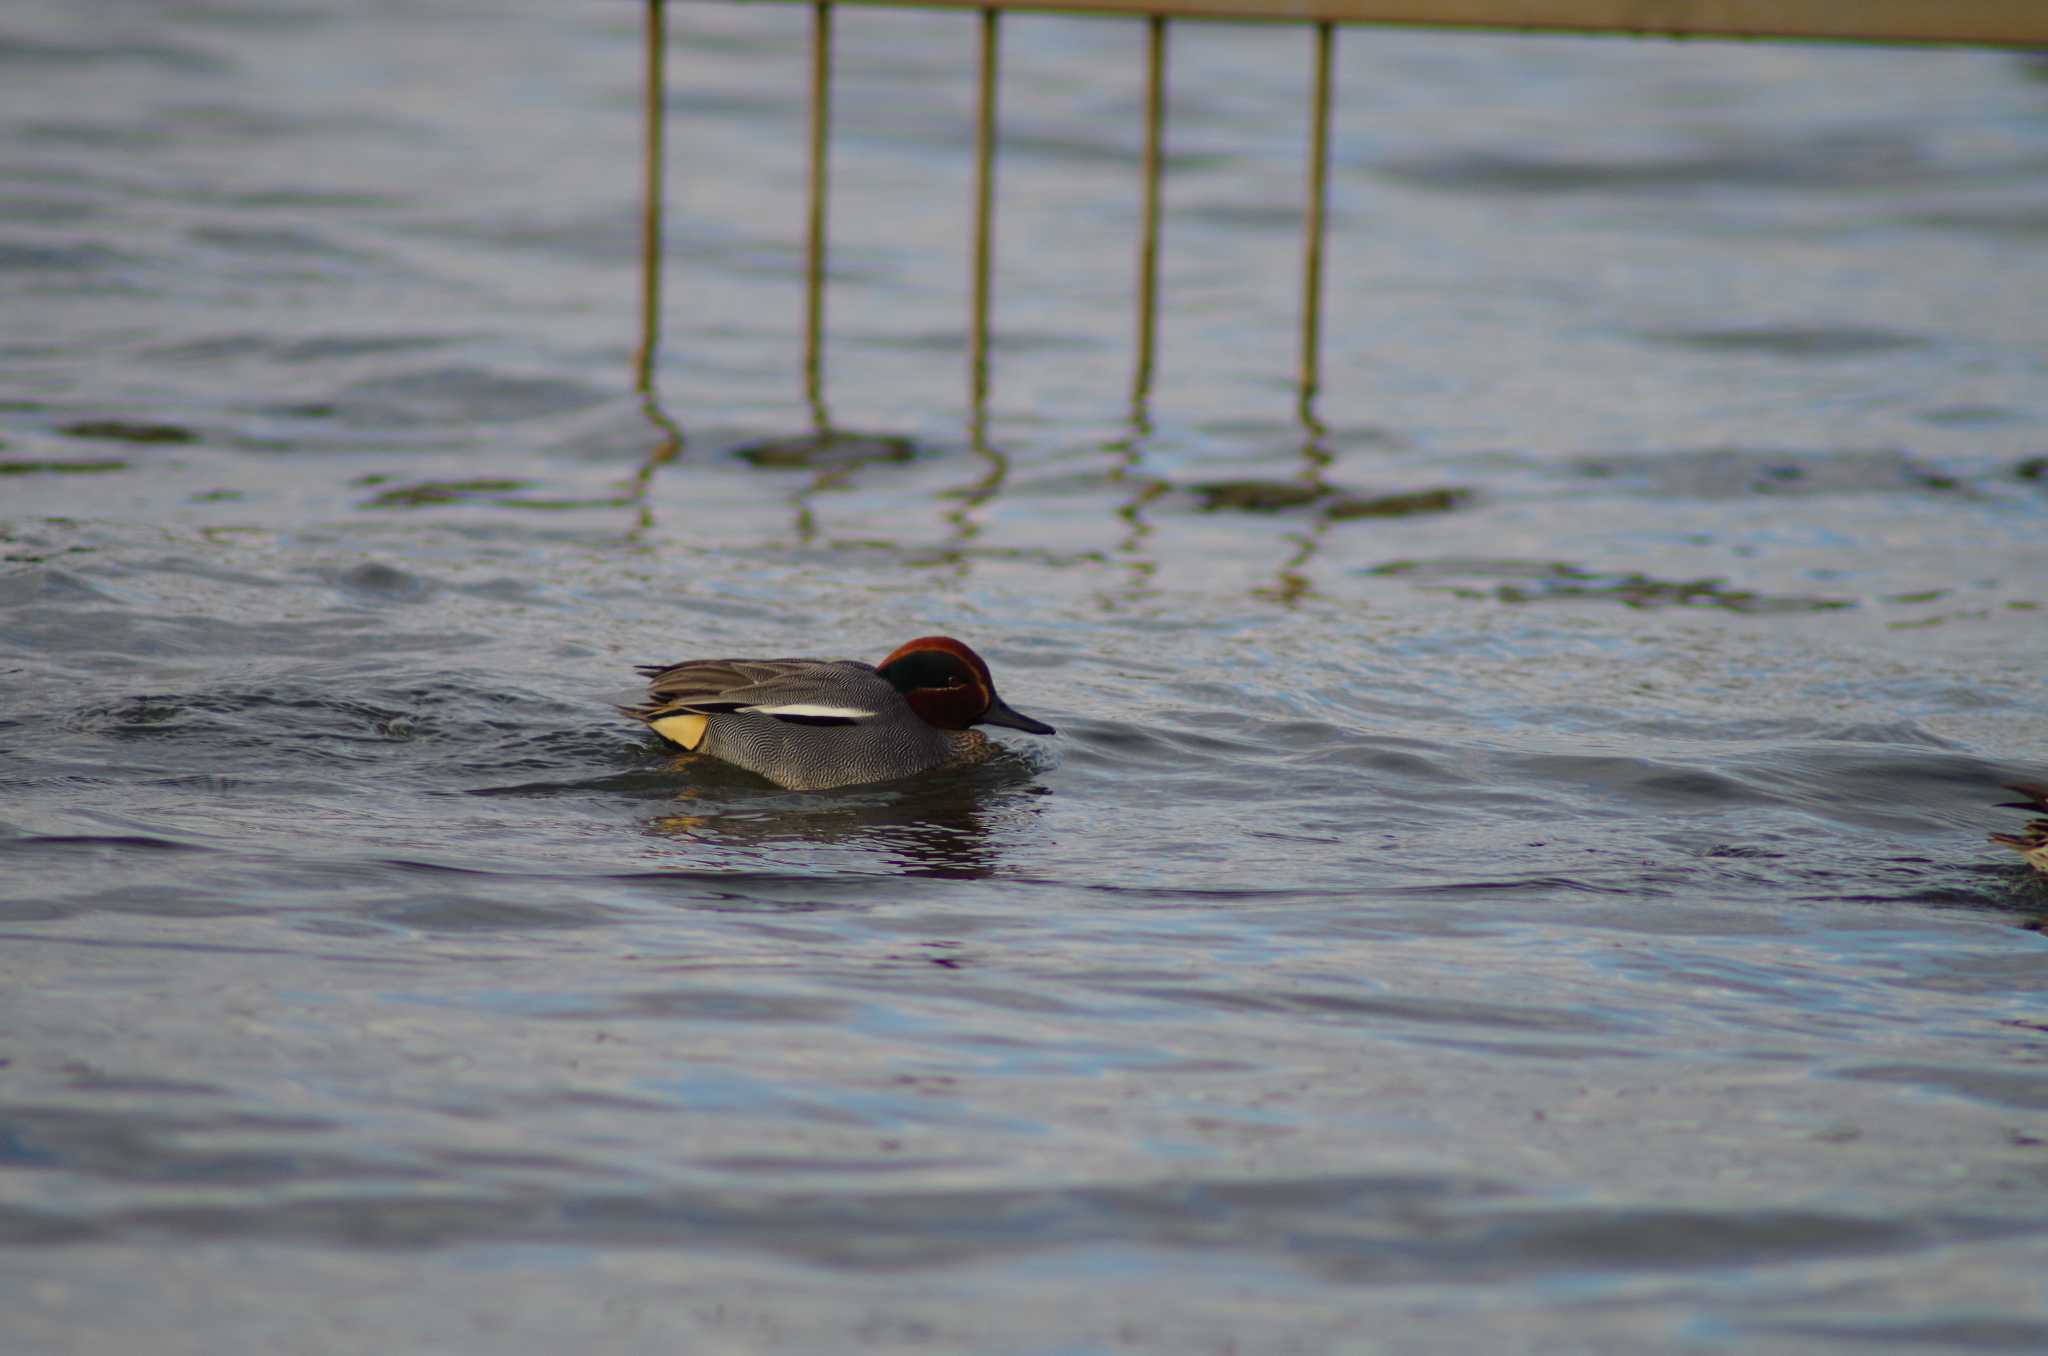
(2021, 23)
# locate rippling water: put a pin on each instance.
(1512, 872)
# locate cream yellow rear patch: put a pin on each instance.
(686, 729)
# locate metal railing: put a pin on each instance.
(2017, 23)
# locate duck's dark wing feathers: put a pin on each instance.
(711, 686)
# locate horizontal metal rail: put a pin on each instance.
(2019, 23)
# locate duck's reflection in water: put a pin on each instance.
(949, 824)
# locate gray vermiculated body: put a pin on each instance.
(816, 757)
(889, 743)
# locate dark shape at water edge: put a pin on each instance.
(128, 431)
(1535, 581)
(1408, 505)
(827, 449)
(1279, 496)
(484, 492)
(59, 468)
(1256, 496)
(429, 493)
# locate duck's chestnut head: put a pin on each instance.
(949, 686)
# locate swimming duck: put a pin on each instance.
(2032, 841)
(809, 724)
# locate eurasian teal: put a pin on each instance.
(809, 724)
(2030, 842)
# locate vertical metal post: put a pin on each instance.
(814, 243)
(651, 115)
(1312, 229)
(984, 216)
(1148, 238)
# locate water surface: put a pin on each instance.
(1511, 875)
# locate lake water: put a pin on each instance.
(1511, 875)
